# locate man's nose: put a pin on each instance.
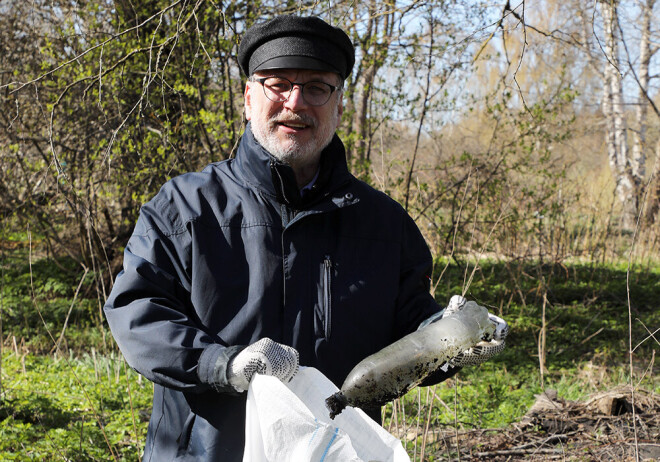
(295, 100)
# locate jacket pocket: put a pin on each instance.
(184, 438)
(327, 296)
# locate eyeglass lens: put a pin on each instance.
(278, 89)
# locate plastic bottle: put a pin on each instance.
(399, 367)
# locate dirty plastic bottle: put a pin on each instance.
(393, 371)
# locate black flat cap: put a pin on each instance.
(296, 42)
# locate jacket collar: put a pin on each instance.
(264, 172)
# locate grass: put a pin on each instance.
(84, 403)
(586, 346)
(78, 409)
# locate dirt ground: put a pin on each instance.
(613, 426)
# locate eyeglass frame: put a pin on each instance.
(262, 80)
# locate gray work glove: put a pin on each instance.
(485, 349)
(263, 357)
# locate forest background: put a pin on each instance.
(523, 138)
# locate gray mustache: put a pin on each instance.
(298, 118)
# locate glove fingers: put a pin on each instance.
(258, 364)
(478, 354)
(287, 362)
(501, 327)
(263, 357)
(456, 303)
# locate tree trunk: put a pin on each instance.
(374, 42)
(653, 209)
(638, 158)
(616, 137)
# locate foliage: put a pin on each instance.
(131, 96)
(587, 345)
(83, 404)
(585, 304)
(480, 120)
(483, 194)
(78, 409)
(39, 299)
(106, 101)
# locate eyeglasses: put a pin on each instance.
(278, 90)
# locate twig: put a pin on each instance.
(455, 226)
(651, 335)
(425, 107)
(630, 347)
(428, 423)
(518, 452)
(542, 339)
(592, 336)
(458, 447)
(56, 348)
(484, 247)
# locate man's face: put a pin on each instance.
(293, 131)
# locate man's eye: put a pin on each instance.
(278, 85)
(314, 88)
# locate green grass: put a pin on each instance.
(37, 297)
(587, 338)
(85, 404)
(78, 409)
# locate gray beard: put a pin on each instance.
(294, 153)
(290, 154)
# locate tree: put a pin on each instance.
(616, 128)
(103, 105)
(646, 52)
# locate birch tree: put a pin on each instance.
(646, 52)
(638, 158)
(653, 210)
(613, 110)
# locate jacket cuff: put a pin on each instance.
(212, 366)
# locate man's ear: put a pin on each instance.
(248, 101)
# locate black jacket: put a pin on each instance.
(225, 257)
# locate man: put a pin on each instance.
(274, 258)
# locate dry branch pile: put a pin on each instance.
(604, 427)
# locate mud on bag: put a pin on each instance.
(289, 422)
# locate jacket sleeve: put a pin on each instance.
(150, 313)
(415, 302)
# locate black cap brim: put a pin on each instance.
(296, 62)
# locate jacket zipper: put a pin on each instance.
(327, 299)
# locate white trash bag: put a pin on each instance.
(289, 422)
